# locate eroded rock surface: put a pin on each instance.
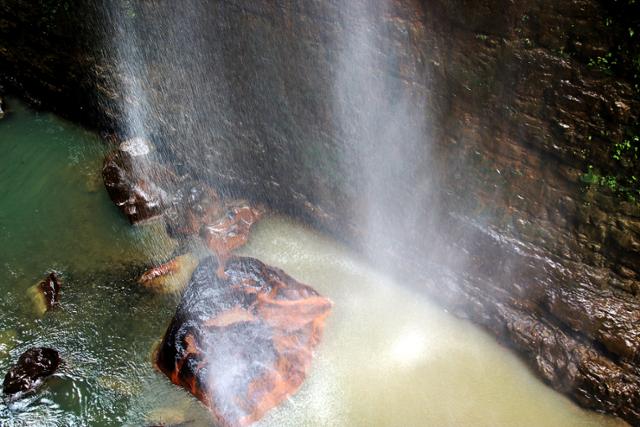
(30, 371)
(243, 342)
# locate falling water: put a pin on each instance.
(383, 125)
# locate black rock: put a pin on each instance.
(33, 366)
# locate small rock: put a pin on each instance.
(171, 276)
(46, 294)
(192, 208)
(29, 373)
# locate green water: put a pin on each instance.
(389, 357)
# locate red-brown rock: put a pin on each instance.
(194, 206)
(243, 342)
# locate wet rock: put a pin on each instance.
(2, 108)
(193, 207)
(29, 373)
(243, 342)
(170, 277)
(131, 177)
(230, 232)
(46, 294)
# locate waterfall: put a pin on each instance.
(382, 122)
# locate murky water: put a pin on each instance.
(389, 357)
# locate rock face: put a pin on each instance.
(242, 343)
(32, 368)
(519, 106)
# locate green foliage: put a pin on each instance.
(623, 176)
(627, 150)
(604, 63)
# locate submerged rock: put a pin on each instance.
(171, 276)
(242, 342)
(130, 178)
(46, 294)
(29, 373)
(169, 417)
(7, 341)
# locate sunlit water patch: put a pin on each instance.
(388, 357)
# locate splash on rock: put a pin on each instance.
(194, 205)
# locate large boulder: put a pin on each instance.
(30, 371)
(242, 342)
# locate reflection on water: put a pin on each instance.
(389, 357)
